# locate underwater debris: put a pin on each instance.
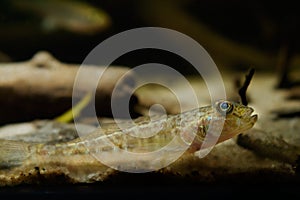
(243, 89)
(267, 145)
(42, 87)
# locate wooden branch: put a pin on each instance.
(243, 89)
(42, 88)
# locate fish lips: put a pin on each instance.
(248, 115)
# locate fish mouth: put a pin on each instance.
(253, 118)
(248, 115)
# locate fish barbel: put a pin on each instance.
(147, 135)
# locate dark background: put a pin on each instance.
(262, 25)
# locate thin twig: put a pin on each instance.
(243, 89)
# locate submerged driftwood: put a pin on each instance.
(42, 88)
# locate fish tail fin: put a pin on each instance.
(13, 153)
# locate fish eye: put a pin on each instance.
(225, 107)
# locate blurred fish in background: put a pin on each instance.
(69, 15)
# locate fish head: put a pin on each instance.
(221, 121)
(238, 118)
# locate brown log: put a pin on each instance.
(42, 88)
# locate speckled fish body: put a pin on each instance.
(147, 135)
